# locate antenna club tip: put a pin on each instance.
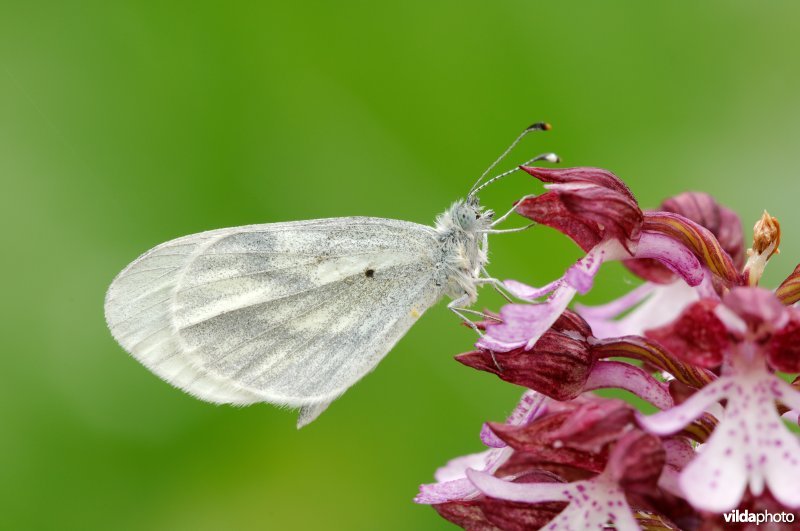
(553, 158)
(539, 126)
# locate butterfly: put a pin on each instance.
(295, 313)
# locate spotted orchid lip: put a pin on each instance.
(634, 464)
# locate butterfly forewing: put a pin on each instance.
(288, 313)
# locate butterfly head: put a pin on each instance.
(467, 215)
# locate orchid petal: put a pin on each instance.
(674, 419)
(513, 516)
(592, 503)
(678, 454)
(524, 324)
(452, 484)
(701, 241)
(723, 223)
(612, 309)
(530, 406)
(786, 393)
(581, 275)
(543, 441)
(456, 468)
(757, 307)
(636, 461)
(453, 490)
(549, 209)
(750, 447)
(455, 485)
(789, 290)
(592, 425)
(595, 510)
(465, 514)
(716, 479)
(782, 468)
(529, 293)
(589, 205)
(616, 374)
(670, 481)
(697, 336)
(663, 305)
(732, 322)
(557, 366)
(703, 427)
(783, 349)
(650, 270)
(673, 254)
(584, 176)
(489, 438)
(519, 492)
(639, 348)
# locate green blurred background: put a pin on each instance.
(125, 124)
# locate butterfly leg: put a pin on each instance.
(454, 307)
(500, 287)
(496, 284)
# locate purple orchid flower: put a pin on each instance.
(699, 341)
(591, 503)
(575, 466)
(568, 361)
(751, 447)
(664, 296)
(451, 479)
(600, 214)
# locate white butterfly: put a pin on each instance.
(294, 313)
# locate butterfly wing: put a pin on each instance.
(286, 313)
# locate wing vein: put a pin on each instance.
(251, 305)
(171, 268)
(241, 371)
(145, 293)
(141, 311)
(260, 335)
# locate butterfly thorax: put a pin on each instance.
(462, 231)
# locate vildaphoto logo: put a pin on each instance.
(757, 518)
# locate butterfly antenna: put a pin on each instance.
(538, 126)
(549, 157)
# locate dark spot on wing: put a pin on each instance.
(369, 273)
